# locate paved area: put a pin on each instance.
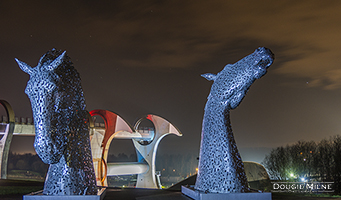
(9, 182)
(143, 194)
(140, 194)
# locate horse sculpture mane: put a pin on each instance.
(60, 119)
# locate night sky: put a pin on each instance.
(140, 57)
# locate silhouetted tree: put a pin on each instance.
(21, 164)
(317, 161)
(28, 162)
(277, 163)
(337, 163)
(324, 160)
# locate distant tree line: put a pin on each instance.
(121, 157)
(168, 164)
(28, 162)
(182, 165)
(309, 161)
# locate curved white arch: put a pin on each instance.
(147, 153)
(5, 141)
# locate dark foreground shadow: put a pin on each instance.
(128, 193)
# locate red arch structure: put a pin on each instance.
(117, 127)
(114, 125)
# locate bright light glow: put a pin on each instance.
(122, 168)
(291, 175)
(303, 180)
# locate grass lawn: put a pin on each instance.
(294, 196)
(19, 187)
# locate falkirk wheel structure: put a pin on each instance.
(145, 140)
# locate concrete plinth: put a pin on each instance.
(39, 196)
(197, 195)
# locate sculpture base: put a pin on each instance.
(197, 195)
(39, 196)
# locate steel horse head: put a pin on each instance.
(60, 119)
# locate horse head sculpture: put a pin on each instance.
(231, 84)
(60, 120)
(221, 169)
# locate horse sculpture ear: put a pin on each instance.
(209, 76)
(24, 67)
(56, 62)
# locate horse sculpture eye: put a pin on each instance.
(51, 88)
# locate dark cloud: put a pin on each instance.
(139, 57)
(181, 34)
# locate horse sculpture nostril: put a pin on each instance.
(269, 53)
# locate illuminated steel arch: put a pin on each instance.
(147, 152)
(5, 141)
(117, 127)
(114, 126)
